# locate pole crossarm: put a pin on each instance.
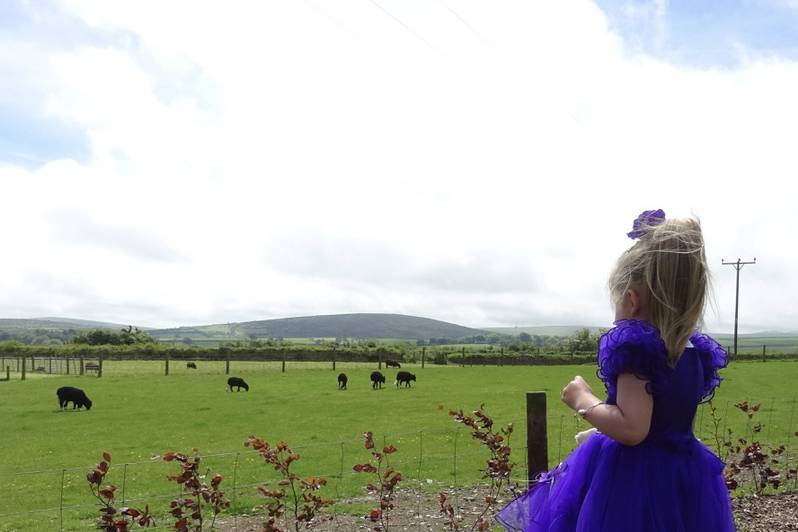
(738, 265)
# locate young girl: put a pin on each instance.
(643, 470)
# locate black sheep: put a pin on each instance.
(238, 382)
(392, 364)
(404, 377)
(76, 396)
(377, 379)
(191, 365)
(342, 380)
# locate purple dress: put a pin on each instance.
(671, 482)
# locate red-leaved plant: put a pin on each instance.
(188, 509)
(307, 503)
(384, 483)
(758, 463)
(497, 471)
(111, 519)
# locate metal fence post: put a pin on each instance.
(454, 455)
(124, 481)
(536, 437)
(235, 489)
(61, 505)
(340, 473)
(420, 452)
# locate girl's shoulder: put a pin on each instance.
(635, 346)
(632, 346)
(713, 358)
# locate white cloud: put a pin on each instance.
(309, 157)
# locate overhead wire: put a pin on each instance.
(399, 21)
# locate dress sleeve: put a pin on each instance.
(632, 346)
(713, 358)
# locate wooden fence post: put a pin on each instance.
(379, 358)
(423, 356)
(536, 438)
(50, 365)
(764, 347)
(166, 366)
(333, 355)
(81, 365)
(227, 364)
(8, 373)
(100, 366)
(462, 358)
(23, 367)
(283, 360)
(67, 364)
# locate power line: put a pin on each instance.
(464, 21)
(737, 266)
(405, 26)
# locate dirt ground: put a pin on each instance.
(417, 511)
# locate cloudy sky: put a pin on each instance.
(183, 162)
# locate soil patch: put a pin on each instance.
(420, 512)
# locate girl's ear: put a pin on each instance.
(633, 303)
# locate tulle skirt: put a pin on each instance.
(666, 484)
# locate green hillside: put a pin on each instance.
(44, 331)
(396, 326)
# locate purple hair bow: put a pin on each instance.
(645, 222)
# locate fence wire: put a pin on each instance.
(430, 460)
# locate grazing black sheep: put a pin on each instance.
(238, 382)
(404, 377)
(342, 380)
(191, 365)
(377, 379)
(392, 364)
(76, 396)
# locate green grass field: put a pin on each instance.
(139, 414)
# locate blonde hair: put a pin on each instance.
(669, 265)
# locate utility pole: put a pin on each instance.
(737, 266)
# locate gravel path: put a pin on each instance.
(419, 512)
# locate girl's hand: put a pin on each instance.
(575, 391)
(581, 437)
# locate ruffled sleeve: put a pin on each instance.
(713, 357)
(632, 346)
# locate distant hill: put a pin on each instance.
(48, 330)
(56, 323)
(364, 325)
(546, 330)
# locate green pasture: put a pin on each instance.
(139, 413)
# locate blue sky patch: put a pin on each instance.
(709, 33)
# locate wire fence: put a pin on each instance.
(430, 460)
(31, 365)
